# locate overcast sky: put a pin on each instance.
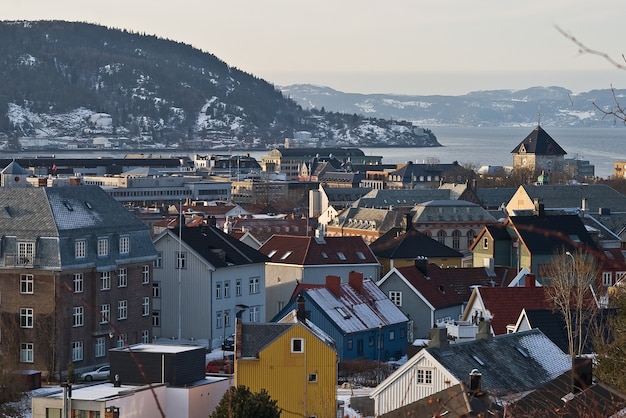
(367, 46)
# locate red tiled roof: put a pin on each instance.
(312, 251)
(433, 286)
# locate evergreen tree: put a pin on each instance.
(240, 402)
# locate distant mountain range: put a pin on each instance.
(556, 106)
(77, 81)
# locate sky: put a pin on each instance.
(434, 47)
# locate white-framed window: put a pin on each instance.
(227, 289)
(156, 318)
(105, 280)
(312, 378)
(619, 276)
(103, 247)
(392, 335)
(125, 244)
(100, 347)
(78, 316)
(105, 313)
(218, 320)
(181, 260)
(27, 284)
(254, 285)
(77, 350)
(441, 236)
(218, 290)
(424, 376)
(238, 287)
(26, 317)
(122, 277)
(145, 336)
(145, 306)
(158, 263)
(485, 243)
(80, 248)
(253, 314)
(396, 297)
(226, 318)
(78, 283)
(297, 345)
(122, 309)
(25, 252)
(121, 340)
(145, 274)
(27, 352)
(607, 278)
(156, 290)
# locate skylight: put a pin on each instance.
(324, 255)
(271, 254)
(360, 255)
(287, 254)
(478, 360)
(341, 256)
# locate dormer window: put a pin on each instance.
(125, 244)
(103, 247)
(80, 248)
(25, 252)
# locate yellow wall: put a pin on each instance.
(284, 375)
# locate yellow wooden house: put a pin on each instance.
(294, 361)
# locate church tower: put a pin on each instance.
(538, 151)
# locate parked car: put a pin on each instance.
(224, 365)
(229, 343)
(101, 373)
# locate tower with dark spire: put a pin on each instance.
(538, 151)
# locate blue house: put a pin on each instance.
(357, 315)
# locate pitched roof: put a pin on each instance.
(509, 363)
(396, 243)
(384, 198)
(255, 337)
(462, 280)
(540, 143)
(353, 310)
(504, 304)
(564, 196)
(15, 168)
(318, 251)
(432, 286)
(217, 248)
(496, 196)
(450, 211)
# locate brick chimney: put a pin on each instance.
(301, 312)
(529, 280)
(355, 280)
(333, 284)
(421, 263)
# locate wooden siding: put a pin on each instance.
(285, 375)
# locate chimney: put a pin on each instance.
(529, 280)
(439, 338)
(484, 330)
(333, 284)
(421, 263)
(539, 208)
(301, 312)
(355, 280)
(475, 378)
(582, 374)
(409, 222)
(583, 205)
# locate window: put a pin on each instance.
(441, 236)
(122, 277)
(156, 318)
(297, 345)
(78, 283)
(341, 256)
(145, 274)
(218, 290)
(181, 261)
(145, 336)
(485, 243)
(349, 344)
(471, 236)
(27, 283)
(26, 252)
(456, 239)
(360, 255)
(77, 350)
(226, 289)
(105, 313)
(607, 278)
(619, 276)
(145, 306)
(424, 376)
(78, 317)
(80, 248)
(370, 341)
(27, 352)
(254, 285)
(396, 297)
(125, 244)
(238, 287)
(105, 280)
(121, 340)
(100, 348)
(103, 247)
(226, 318)
(26, 317)
(253, 314)
(312, 378)
(156, 290)
(218, 320)
(392, 335)
(158, 263)
(122, 309)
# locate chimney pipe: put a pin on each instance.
(421, 263)
(301, 312)
(355, 280)
(475, 378)
(409, 222)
